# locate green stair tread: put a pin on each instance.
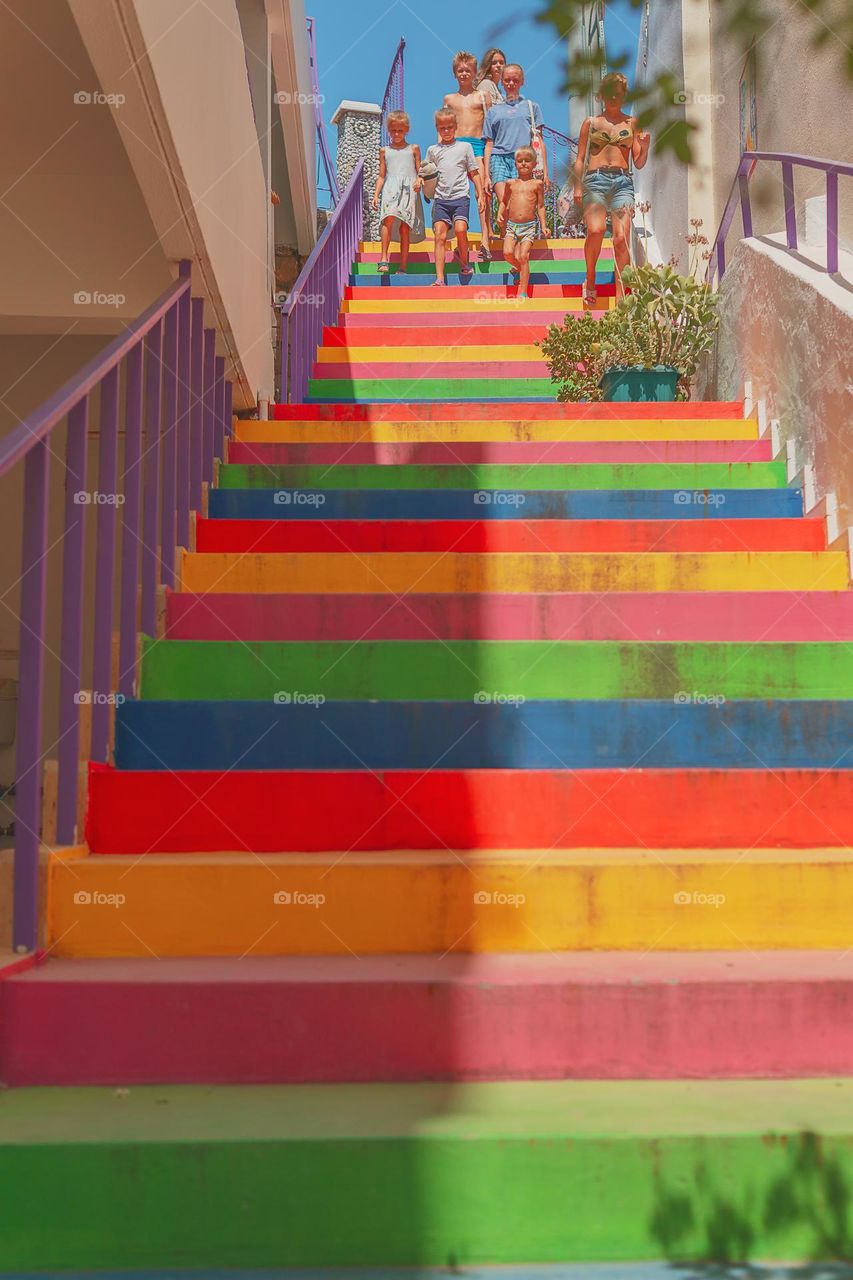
(510, 476)
(612, 1110)
(447, 671)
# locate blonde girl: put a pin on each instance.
(399, 186)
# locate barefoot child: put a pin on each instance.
(469, 106)
(451, 206)
(522, 216)
(400, 186)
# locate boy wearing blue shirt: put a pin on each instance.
(509, 126)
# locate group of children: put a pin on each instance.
(491, 140)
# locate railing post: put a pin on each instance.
(130, 540)
(30, 690)
(183, 477)
(151, 504)
(207, 404)
(197, 384)
(721, 260)
(71, 643)
(831, 221)
(229, 408)
(745, 206)
(790, 207)
(168, 522)
(219, 406)
(105, 556)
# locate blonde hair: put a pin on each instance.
(516, 66)
(445, 113)
(526, 151)
(486, 64)
(398, 117)
(463, 56)
(609, 83)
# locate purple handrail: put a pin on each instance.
(739, 194)
(394, 97)
(152, 363)
(315, 299)
(319, 123)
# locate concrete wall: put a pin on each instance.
(789, 330)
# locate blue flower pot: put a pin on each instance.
(636, 383)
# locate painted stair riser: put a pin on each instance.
(559, 433)
(395, 572)
(295, 729)
(450, 371)
(469, 353)
(414, 335)
(455, 302)
(710, 479)
(558, 271)
(427, 244)
(500, 318)
(302, 905)
(509, 535)
(485, 290)
(697, 410)
(484, 389)
(539, 254)
(687, 616)
(212, 1178)
(338, 1020)
(613, 453)
(465, 670)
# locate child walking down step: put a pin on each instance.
(521, 217)
(451, 208)
(399, 186)
(469, 105)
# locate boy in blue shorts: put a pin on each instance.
(510, 125)
(451, 206)
(469, 105)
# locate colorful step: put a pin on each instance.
(530, 452)
(564, 267)
(492, 353)
(707, 478)
(466, 670)
(362, 1019)
(460, 300)
(557, 433)
(523, 412)
(509, 535)
(680, 616)
(404, 1175)
(296, 729)
(407, 571)
(436, 903)
(503, 315)
(485, 289)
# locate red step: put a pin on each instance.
(509, 535)
(514, 334)
(506, 411)
(283, 811)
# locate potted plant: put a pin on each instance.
(646, 348)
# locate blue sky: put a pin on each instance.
(356, 42)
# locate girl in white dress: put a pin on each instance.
(401, 208)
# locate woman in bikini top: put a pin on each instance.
(601, 140)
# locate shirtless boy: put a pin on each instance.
(469, 107)
(521, 217)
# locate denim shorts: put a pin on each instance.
(451, 211)
(613, 190)
(502, 168)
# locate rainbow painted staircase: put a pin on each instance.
(473, 882)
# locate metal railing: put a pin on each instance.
(175, 396)
(562, 151)
(315, 299)
(324, 154)
(739, 195)
(394, 97)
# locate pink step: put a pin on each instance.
(712, 615)
(403, 1018)
(450, 370)
(437, 453)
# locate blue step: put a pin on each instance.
(462, 504)
(536, 735)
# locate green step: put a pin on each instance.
(459, 670)
(386, 390)
(401, 1175)
(554, 266)
(516, 477)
